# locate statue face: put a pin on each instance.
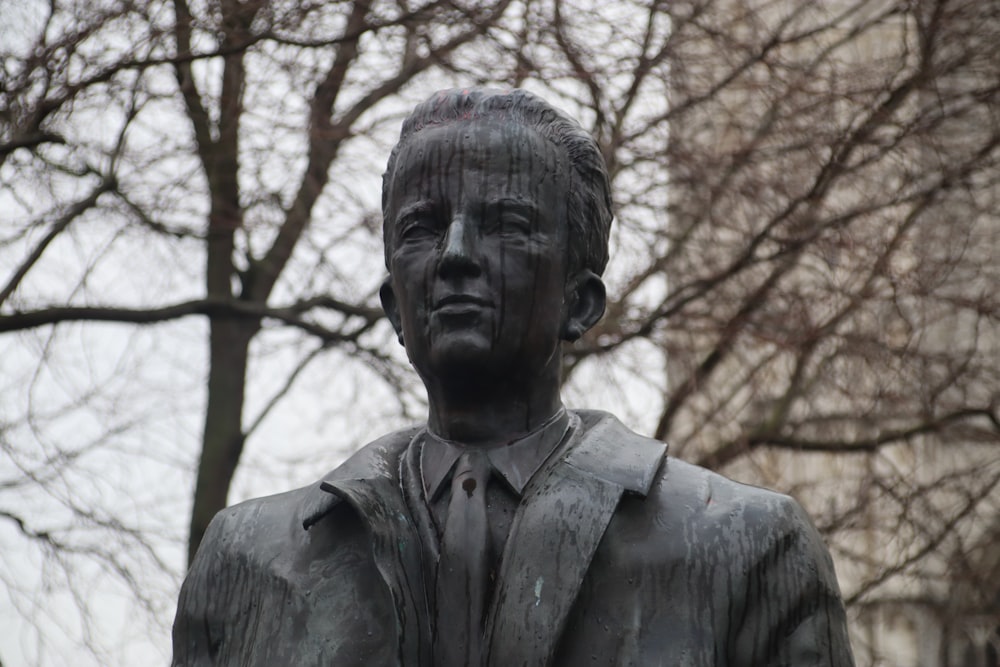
(478, 265)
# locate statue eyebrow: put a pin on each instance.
(415, 208)
(523, 206)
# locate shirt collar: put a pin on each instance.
(515, 461)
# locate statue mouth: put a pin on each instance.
(461, 303)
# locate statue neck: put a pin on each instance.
(486, 413)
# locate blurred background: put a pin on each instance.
(804, 283)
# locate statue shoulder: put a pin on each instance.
(738, 527)
(262, 527)
(666, 497)
(715, 499)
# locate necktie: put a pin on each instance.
(462, 579)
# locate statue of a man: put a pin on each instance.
(507, 530)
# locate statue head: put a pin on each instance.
(496, 212)
(589, 206)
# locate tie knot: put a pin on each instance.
(471, 472)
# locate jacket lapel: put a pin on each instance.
(559, 524)
(372, 486)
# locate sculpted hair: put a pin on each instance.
(589, 208)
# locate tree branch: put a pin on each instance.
(291, 315)
(74, 211)
(735, 448)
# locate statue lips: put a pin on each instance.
(464, 307)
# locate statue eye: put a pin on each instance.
(415, 228)
(515, 225)
(512, 220)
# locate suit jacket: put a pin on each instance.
(618, 555)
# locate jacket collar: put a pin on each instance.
(377, 460)
(613, 453)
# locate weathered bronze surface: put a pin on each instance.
(594, 547)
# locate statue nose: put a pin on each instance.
(459, 253)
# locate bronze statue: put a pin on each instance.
(507, 531)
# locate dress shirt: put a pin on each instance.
(515, 462)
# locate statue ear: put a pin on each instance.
(585, 301)
(388, 298)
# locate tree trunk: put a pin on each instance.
(223, 435)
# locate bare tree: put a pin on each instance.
(812, 222)
(804, 275)
(170, 160)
